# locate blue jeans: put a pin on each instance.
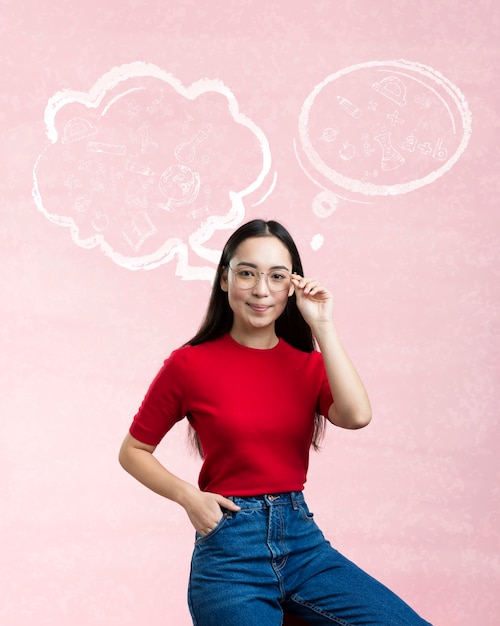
(271, 557)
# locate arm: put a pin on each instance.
(203, 508)
(351, 408)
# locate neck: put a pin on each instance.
(260, 341)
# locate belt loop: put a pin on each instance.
(294, 500)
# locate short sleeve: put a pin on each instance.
(164, 402)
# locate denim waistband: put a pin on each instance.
(292, 498)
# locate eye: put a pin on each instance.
(278, 276)
(247, 273)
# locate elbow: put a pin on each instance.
(353, 419)
(131, 453)
(360, 420)
(124, 456)
(358, 415)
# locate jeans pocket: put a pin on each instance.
(220, 524)
(306, 513)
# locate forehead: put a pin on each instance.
(266, 251)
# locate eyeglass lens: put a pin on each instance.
(248, 277)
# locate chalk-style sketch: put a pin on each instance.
(148, 169)
(317, 241)
(378, 129)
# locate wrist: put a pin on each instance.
(185, 494)
(324, 330)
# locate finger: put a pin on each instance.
(316, 289)
(299, 281)
(210, 524)
(311, 287)
(227, 504)
(308, 285)
(305, 281)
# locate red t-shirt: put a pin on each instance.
(253, 411)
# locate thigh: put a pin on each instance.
(238, 608)
(231, 580)
(333, 590)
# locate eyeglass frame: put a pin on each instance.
(285, 271)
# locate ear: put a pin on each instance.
(224, 280)
(291, 290)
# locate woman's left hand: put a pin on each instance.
(314, 301)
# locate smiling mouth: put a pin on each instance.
(259, 308)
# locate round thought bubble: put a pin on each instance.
(383, 128)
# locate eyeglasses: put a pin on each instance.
(248, 277)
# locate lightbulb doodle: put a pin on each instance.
(380, 128)
(148, 170)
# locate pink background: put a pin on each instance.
(111, 227)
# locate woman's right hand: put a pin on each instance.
(204, 510)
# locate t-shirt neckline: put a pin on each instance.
(249, 348)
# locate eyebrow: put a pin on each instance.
(274, 267)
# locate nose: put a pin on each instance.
(261, 288)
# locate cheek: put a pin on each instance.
(235, 297)
(283, 300)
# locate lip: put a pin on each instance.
(259, 308)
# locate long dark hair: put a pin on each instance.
(290, 326)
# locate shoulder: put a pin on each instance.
(191, 354)
(300, 355)
(311, 362)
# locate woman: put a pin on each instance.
(255, 391)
